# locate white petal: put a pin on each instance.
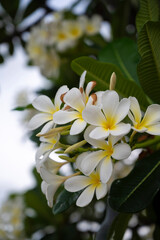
(121, 151)
(47, 127)
(38, 120)
(90, 162)
(51, 189)
(63, 117)
(93, 142)
(121, 129)
(78, 126)
(89, 87)
(106, 169)
(43, 104)
(152, 115)
(43, 148)
(86, 197)
(74, 99)
(154, 129)
(76, 183)
(101, 191)
(93, 115)
(44, 187)
(122, 110)
(80, 159)
(114, 139)
(110, 101)
(50, 178)
(135, 108)
(82, 79)
(99, 133)
(57, 100)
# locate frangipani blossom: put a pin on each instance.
(151, 120)
(91, 183)
(88, 161)
(51, 182)
(92, 26)
(46, 108)
(77, 100)
(108, 121)
(47, 145)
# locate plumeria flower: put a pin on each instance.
(74, 28)
(47, 145)
(93, 25)
(77, 100)
(51, 182)
(91, 183)
(88, 161)
(62, 39)
(50, 65)
(151, 120)
(47, 109)
(109, 120)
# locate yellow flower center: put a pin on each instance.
(62, 36)
(95, 179)
(75, 32)
(90, 28)
(109, 150)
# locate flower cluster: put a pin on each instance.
(50, 38)
(11, 219)
(101, 117)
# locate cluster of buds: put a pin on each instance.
(50, 38)
(100, 117)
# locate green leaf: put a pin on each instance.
(10, 7)
(149, 11)
(101, 73)
(32, 6)
(64, 200)
(123, 53)
(29, 106)
(149, 65)
(1, 59)
(119, 226)
(136, 191)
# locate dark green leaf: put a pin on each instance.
(149, 11)
(10, 7)
(32, 6)
(64, 200)
(136, 191)
(101, 73)
(11, 48)
(1, 59)
(29, 106)
(149, 66)
(123, 53)
(119, 226)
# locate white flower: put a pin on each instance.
(92, 26)
(50, 184)
(109, 149)
(91, 183)
(47, 109)
(74, 28)
(62, 39)
(77, 100)
(45, 148)
(151, 120)
(108, 121)
(50, 65)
